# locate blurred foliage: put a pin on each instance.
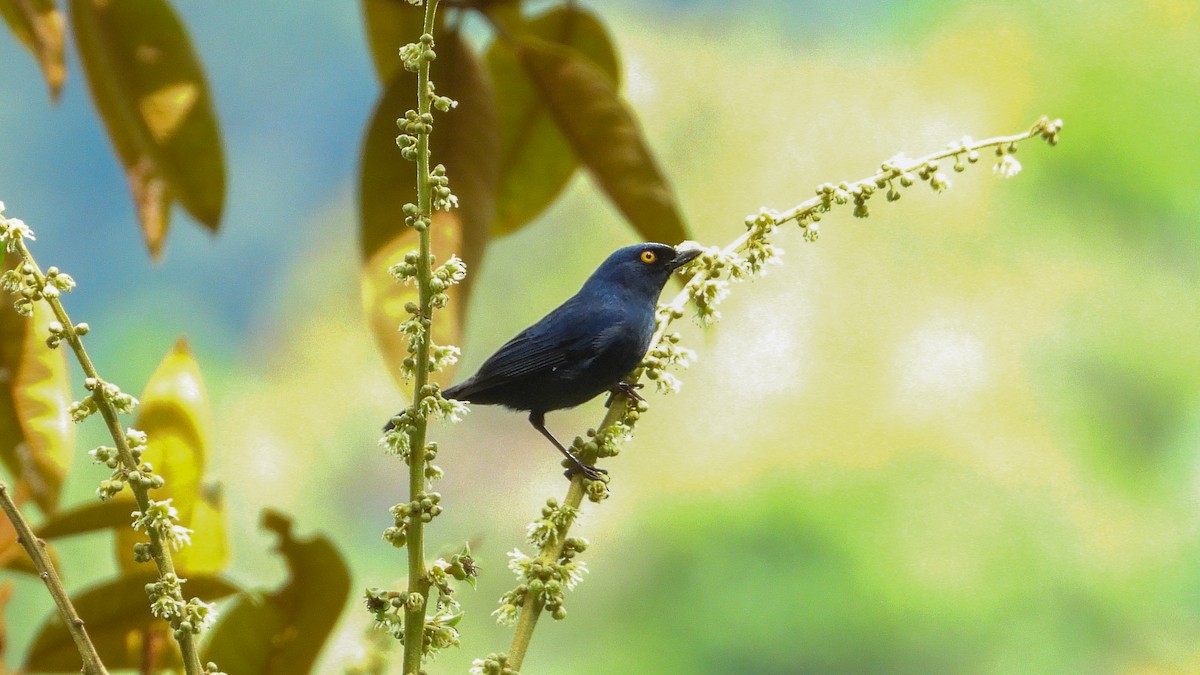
(117, 622)
(39, 26)
(36, 432)
(150, 90)
(282, 632)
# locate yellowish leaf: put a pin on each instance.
(175, 415)
(39, 26)
(36, 434)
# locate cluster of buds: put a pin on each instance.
(101, 390)
(433, 404)
(439, 182)
(460, 566)
(758, 251)
(442, 103)
(414, 54)
(492, 664)
(31, 286)
(449, 273)
(411, 126)
(544, 582)
(668, 352)
(388, 607)
(13, 231)
(166, 602)
(163, 519)
(58, 333)
(555, 518)
(143, 476)
(425, 507)
(398, 440)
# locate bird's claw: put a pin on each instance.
(589, 472)
(629, 390)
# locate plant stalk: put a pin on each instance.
(36, 548)
(418, 577)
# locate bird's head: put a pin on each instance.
(642, 268)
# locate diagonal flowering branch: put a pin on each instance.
(543, 579)
(157, 518)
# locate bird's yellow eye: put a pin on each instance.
(649, 257)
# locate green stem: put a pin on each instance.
(418, 577)
(159, 549)
(36, 548)
(532, 609)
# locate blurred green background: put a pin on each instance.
(959, 436)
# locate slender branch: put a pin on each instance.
(159, 549)
(418, 576)
(896, 170)
(36, 548)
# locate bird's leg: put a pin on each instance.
(538, 420)
(623, 387)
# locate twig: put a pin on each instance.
(36, 548)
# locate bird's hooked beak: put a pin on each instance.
(684, 257)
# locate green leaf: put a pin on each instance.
(174, 413)
(465, 140)
(283, 632)
(150, 90)
(391, 24)
(39, 26)
(92, 516)
(605, 136)
(536, 161)
(115, 612)
(36, 433)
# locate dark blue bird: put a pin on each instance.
(581, 349)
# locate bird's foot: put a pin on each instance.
(630, 390)
(589, 472)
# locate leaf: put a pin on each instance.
(115, 613)
(283, 632)
(605, 136)
(39, 26)
(465, 140)
(209, 551)
(391, 24)
(150, 90)
(174, 413)
(536, 161)
(36, 433)
(92, 516)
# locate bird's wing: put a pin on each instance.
(571, 333)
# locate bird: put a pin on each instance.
(584, 347)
